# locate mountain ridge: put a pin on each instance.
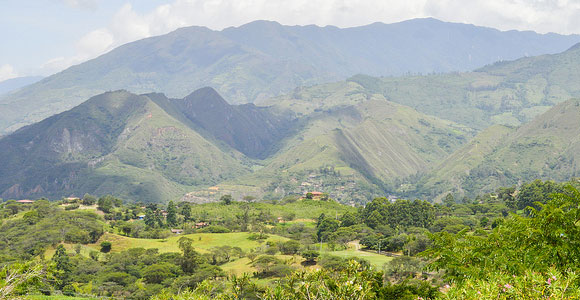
(248, 63)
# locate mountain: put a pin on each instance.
(10, 85)
(153, 148)
(508, 93)
(252, 130)
(263, 59)
(547, 148)
(350, 144)
(117, 143)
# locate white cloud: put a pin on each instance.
(7, 72)
(562, 16)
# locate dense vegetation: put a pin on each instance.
(496, 245)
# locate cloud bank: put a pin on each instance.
(7, 72)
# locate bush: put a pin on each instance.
(257, 236)
(106, 247)
(310, 255)
(72, 206)
(290, 247)
(214, 229)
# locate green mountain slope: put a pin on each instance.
(352, 145)
(115, 143)
(508, 93)
(263, 59)
(546, 148)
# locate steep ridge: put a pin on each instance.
(354, 146)
(263, 59)
(546, 148)
(116, 143)
(254, 131)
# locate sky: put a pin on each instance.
(42, 37)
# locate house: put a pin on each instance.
(177, 231)
(141, 217)
(72, 199)
(201, 225)
(25, 201)
(315, 195)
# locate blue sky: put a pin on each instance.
(41, 37)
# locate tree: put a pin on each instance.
(347, 220)
(326, 227)
(105, 204)
(156, 273)
(226, 199)
(449, 200)
(171, 218)
(106, 246)
(289, 247)
(186, 211)
(31, 217)
(89, 199)
(62, 265)
(190, 259)
(310, 255)
(18, 277)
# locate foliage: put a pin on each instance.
(530, 285)
(546, 239)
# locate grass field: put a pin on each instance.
(376, 260)
(201, 241)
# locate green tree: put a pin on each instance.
(106, 246)
(171, 218)
(310, 256)
(186, 211)
(105, 204)
(226, 199)
(348, 219)
(190, 259)
(63, 266)
(449, 200)
(290, 247)
(156, 273)
(89, 199)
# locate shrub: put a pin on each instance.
(214, 229)
(106, 247)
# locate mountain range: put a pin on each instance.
(262, 59)
(153, 148)
(548, 147)
(409, 135)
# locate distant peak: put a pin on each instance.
(574, 48)
(206, 94)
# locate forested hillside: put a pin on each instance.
(509, 92)
(546, 148)
(295, 248)
(117, 143)
(151, 148)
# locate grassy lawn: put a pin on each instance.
(201, 241)
(376, 260)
